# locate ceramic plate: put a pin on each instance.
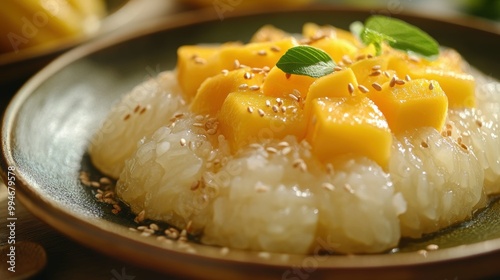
(47, 127)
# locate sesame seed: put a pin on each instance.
(424, 144)
(360, 57)
(348, 188)
(189, 225)
(377, 86)
(346, 60)
(286, 150)
(95, 184)
(260, 187)
(376, 67)
(105, 181)
(271, 150)
(375, 73)
(387, 74)
(479, 123)
(400, 82)
(197, 124)
(283, 109)
(329, 168)
(414, 58)
(432, 247)
(266, 69)
(369, 56)
(431, 86)
(337, 68)
(256, 70)
(392, 83)
(224, 251)
(247, 75)
(224, 72)
(350, 88)
(422, 252)
(142, 111)
(279, 101)
(211, 131)
(136, 109)
(262, 52)
(296, 92)
(407, 78)
(300, 164)
(140, 217)
(463, 146)
(199, 60)
(268, 103)
(283, 144)
(236, 64)
(294, 97)
(275, 108)
(288, 75)
(154, 227)
(363, 89)
(275, 48)
(182, 142)
(243, 86)
(126, 117)
(254, 87)
(261, 112)
(328, 186)
(264, 255)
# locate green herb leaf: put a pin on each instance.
(399, 35)
(306, 61)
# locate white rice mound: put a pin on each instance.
(440, 181)
(136, 115)
(165, 177)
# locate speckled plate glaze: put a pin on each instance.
(48, 125)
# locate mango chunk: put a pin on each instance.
(245, 118)
(371, 70)
(269, 33)
(349, 125)
(312, 31)
(336, 84)
(417, 103)
(458, 86)
(335, 47)
(279, 84)
(258, 54)
(214, 90)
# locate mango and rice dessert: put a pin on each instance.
(387, 144)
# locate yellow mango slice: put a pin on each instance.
(459, 87)
(335, 47)
(269, 33)
(371, 70)
(246, 118)
(335, 84)
(417, 103)
(214, 90)
(349, 125)
(279, 84)
(312, 31)
(259, 54)
(194, 65)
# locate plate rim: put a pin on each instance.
(64, 220)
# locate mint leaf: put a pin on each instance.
(399, 35)
(306, 61)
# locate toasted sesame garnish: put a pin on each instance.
(275, 109)
(431, 86)
(224, 251)
(294, 97)
(400, 82)
(376, 67)
(256, 70)
(266, 69)
(224, 72)
(407, 78)
(414, 58)
(392, 83)
(424, 144)
(243, 86)
(375, 73)
(350, 88)
(348, 188)
(142, 111)
(279, 101)
(346, 60)
(283, 109)
(328, 186)
(182, 142)
(360, 57)
(105, 181)
(140, 217)
(300, 164)
(432, 247)
(262, 52)
(199, 60)
(337, 68)
(126, 117)
(329, 168)
(377, 86)
(236, 64)
(268, 103)
(195, 185)
(275, 48)
(271, 150)
(479, 123)
(386, 74)
(247, 75)
(261, 112)
(264, 255)
(260, 187)
(198, 124)
(136, 109)
(363, 89)
(254, 87)
(422, 252)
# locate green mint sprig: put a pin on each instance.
(314, 62)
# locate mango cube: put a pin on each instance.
(214, 90)
(336, 84)
(369, 71)
(258, 54)
(279, 84)
(246, 118)
(417, 103)
(335, 47)
(349, 125)
(312, 30)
